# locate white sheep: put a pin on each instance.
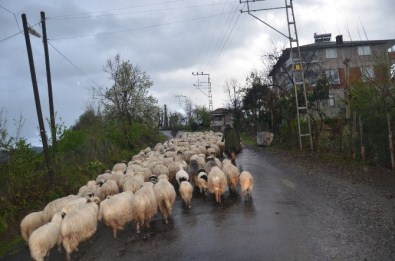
(232, 174)
(217, 183)
(186, 191)
(134, 183)
(108, 188)
(246, 184)
(45, 237)
(56, 205)
(116, 211)
(120, 167)
(79, 225)
(144, 205)
(30, 223)
(165, 196)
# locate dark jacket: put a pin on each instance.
(232, 140)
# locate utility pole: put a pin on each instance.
(26, 31)
(296, 62)
(49, 81)
(180, 98)
(209, 95)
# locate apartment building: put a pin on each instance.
(344, 63)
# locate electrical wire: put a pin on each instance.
(90, 15)
(139, 28)
(16, 20)
(75, 66)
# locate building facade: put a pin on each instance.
(343, 63)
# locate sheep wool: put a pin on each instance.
(246, 184)
(217, 183)
(79, 225)
(201, 182)
(232, 174)
(55, 206)
(186, 191)
(44, 238)
(165, 196)
(144, 205)
(30, 223)
(116, 211)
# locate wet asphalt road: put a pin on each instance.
(288, 219)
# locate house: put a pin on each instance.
(344, 63)
(219, 117)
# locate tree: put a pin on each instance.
(234, 92)
(127, 101)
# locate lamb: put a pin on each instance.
(116, 211)
(232, 174)
(79, 225)
(186, 191)
(30, 223)
(165, 196)
(217, 183)
(45, 237)
(144, 205)
(246, 184)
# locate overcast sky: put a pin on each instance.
(167, 39)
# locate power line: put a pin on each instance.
(16, 20)
(140, 28)
(75, 66)
(105, 13)
(15, 34)
(9, 37)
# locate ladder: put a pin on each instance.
(297, 73)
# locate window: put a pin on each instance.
(367, 73)
(330, 102)
(333, 76)
(331, 53)
(364, 50)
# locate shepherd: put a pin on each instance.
(232, 142)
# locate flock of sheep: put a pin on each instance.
(135, 191)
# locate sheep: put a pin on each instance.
(181, 175)
(217, 183)
(232, 174)
(120, 167)
(210, 162)
(79, 225)
(165, 196)
(108, 188)
(116, 211)
(55, 206)
(246, 184)
(45, 237)
(186, 191)
(30, 223)
(201, 182)
(160, 169)
(144, 205)
(134, 183)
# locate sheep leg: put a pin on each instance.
(138, 227)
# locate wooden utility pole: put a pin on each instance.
(49, 81)
(26, 30)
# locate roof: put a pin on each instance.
(321, 45)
